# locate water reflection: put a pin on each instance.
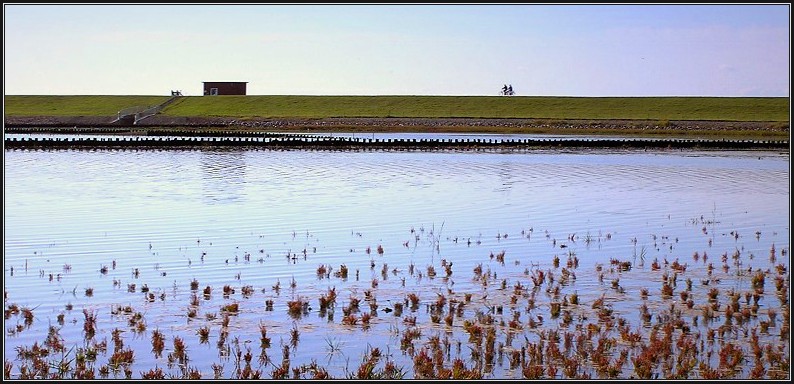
(223, 175)
(506, 174)
(229, 217)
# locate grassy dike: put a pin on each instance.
(72, 106)
(760, 109)
(733, 116)
(655, 108)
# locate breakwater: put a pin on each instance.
(264, 140)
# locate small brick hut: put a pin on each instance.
(213, 88)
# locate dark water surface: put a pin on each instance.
(261, 218)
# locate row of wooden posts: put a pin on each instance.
(359, 142)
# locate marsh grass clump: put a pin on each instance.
(153, 374)
(573, 260)
(89, 324)
(413, 299)
(179, 352)
(247, 291)
(655, 266)
(538, 278)
(667, 290)
(328, 299)
(352, 305)
(264, 340)
(232, 308)
(429, 364)
(158, 342)
(350, 319)
(365, 320)
(645, 314)
(140, 327)
(373, 302)
(294, 335)
(500, 257)
(122, 360)
(228, 290)
(27, 315)
(342, 272)
(13, 309)
(477, 271)
(758, 282)
(322, 270)
(555, 309)
(410, 334)
(574, 298)
(398, 309)
(298, 307)
(678, 267)
(622, 266)
(670, 339)
(204, 334)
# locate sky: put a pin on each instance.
(582, 50)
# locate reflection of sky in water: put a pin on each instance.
(386, 190)
(223, 175)
(86, 208)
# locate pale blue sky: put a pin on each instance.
(399, 49)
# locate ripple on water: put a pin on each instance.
(238, 218)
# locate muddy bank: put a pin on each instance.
(754, 130)
(392, 123)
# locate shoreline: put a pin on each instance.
(669, 129)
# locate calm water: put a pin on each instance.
(260, 218)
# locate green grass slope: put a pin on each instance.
(631, 108)
(771, 109)
(75, 105)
